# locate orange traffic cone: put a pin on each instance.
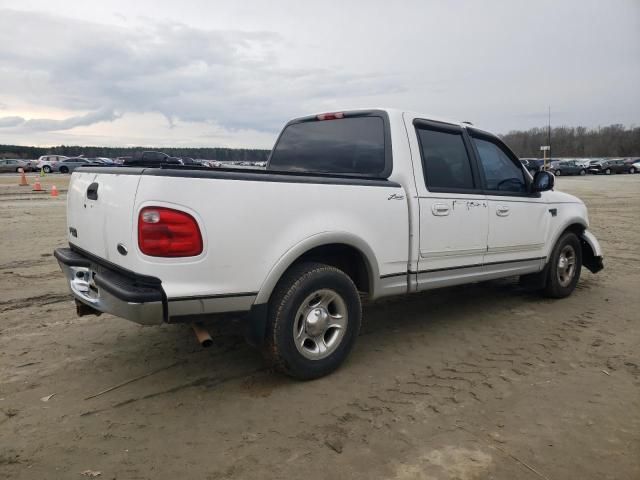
(23, 178)
(37, 187)
(54, 191)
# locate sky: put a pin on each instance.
(231, 73)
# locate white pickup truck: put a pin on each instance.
(352, 205)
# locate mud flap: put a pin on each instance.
(256, 325)
(591, 252)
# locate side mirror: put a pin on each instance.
(543, 181)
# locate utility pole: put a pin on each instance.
(547, 148)
(549, 132)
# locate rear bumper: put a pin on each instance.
(136, 298)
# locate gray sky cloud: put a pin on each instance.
(238, 72)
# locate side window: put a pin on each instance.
(445, 160)
(500, 172)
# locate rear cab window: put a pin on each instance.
(445, 159)
(352, 144)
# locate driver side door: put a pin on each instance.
(518, 220)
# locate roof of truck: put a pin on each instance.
(397, 112)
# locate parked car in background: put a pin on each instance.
(536, 165)
(615, 165)
(151, 159)
(14, 164)
(70, 164)
(102, 161)
(583, 162)
(49, 162)
(568, 167)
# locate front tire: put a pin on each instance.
(583, 172)
(565, 264)
(607, 171)
(47, 169)
(314, 320)
(558, 173)
(632, 170)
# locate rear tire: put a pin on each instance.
(64, 170)
(565, 264)
(632, 170)
(314, 320)
(607, 171)
(583, 172)
(558, 173)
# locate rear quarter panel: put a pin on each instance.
(247, 226)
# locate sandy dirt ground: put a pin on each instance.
(477, 382)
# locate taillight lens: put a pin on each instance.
(164, 232)
(330, 116)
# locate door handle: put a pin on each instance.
(502, 210)
(92, 191)
(440, 209)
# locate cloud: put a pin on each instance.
(230, 79)
(11, 121)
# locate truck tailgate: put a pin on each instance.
(100, 213)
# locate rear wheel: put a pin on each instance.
(558, 173)
(64, 170)
(607, 171)
(632, 170)
(583, 172)
(314, 320)
(565, 264)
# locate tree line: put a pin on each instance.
(610, 141)
(215, 153)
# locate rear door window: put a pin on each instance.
(352, 145)
(445, 160)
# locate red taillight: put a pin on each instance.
(164, 232)
(330, 116)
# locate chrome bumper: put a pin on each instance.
(108, 291)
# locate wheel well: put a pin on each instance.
(576, 228)
(345, 257)
(589, 259)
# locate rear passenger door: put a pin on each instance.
(453, 209)
(518, 220)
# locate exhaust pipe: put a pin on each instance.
(202, 335)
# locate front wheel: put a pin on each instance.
(583, 172)
(314, 320)
(558, 173)
(632, 170)
(47, 169)
(607, 171)
(565, 264)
